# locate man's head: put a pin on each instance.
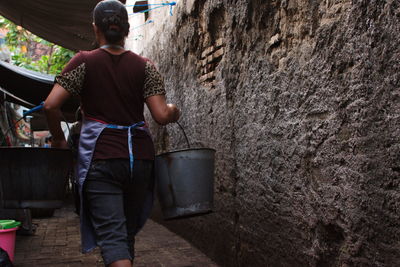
(111, 19)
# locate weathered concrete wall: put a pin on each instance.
(301, 100)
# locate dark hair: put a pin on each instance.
(112, 19)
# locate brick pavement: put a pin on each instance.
(57, 243)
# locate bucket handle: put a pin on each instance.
(171, 185)
(187, 140)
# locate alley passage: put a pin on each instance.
(57, 243)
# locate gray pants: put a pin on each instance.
(115, 201)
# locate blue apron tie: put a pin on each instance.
(129, 128)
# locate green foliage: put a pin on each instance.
(22, 44)
(59, 58)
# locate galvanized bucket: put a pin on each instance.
(185, 182)
(32, 177)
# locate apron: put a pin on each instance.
(90, 132)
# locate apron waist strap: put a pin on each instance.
(138, 125)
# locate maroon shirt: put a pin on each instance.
(113, 89)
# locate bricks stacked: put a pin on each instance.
(210, 58)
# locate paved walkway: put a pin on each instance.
(57, 243)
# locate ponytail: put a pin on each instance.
(111, 17)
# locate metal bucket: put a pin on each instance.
(33, 177)
(185, 181)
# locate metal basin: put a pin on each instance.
(185, 182)
(33, 177)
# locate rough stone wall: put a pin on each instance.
(301, 100)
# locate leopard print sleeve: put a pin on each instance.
(72, 80)
(153, 82)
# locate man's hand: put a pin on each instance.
(162, 112)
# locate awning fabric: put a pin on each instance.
(31, 86)
(64, 22)
(21, 85)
